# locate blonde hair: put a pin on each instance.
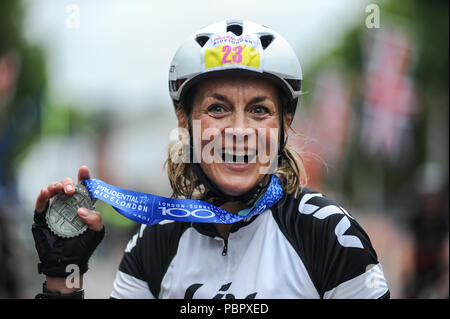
(185, 184)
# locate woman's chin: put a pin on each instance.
(234, 189)
(236, 179)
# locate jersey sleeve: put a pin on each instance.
(146, 260)
(130, 282)
(335, 249)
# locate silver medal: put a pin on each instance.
(62, 217)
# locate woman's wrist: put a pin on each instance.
(64, 285)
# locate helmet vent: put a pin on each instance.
(175, 85)
(235, 28)
(295, 84)
(202, 39)
(266, 40)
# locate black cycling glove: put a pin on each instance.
(56, 253)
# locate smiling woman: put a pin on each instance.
(243, 117)
(235, 86)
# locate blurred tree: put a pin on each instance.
(22, 81)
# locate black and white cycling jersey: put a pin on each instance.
(305, 247)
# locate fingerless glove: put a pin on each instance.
(56, 253)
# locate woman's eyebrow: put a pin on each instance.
(220, 97)
(257, 99)
(223, 98)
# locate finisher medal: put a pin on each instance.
(62, 217)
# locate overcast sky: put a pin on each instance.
(118, 52)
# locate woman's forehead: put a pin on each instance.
(237, 85)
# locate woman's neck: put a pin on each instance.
(232, 207)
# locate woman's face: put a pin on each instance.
(239, 120)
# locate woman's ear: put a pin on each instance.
(287, 123)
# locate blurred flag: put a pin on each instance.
(388, 104)
(326, 127)
(331, 106)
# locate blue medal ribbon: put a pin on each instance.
(151, 209)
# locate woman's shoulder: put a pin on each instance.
(313, 216)
(331, 243)
(308, 203)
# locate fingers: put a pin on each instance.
(65, 185)
(41, 201)
(83, 173)
(54, 188)
(69, 188)
(46, 194)
(92, 218)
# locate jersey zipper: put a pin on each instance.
(225, 247)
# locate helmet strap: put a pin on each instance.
(283, 139)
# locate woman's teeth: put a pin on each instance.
(241, 157)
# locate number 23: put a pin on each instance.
(237, 56)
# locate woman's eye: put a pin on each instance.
(260, 110)
(216, 109)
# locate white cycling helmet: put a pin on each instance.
(236, 46)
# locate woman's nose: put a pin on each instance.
(239, 132)
(239, 120)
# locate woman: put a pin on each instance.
(235, 87)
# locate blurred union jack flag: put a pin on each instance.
(388, 96)
(326, 126)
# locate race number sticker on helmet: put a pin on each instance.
(230, 51)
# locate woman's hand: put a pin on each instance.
(56, 253)
(91, 218)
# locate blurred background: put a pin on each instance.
(85, 83)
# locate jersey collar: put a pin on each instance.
(210, 230)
